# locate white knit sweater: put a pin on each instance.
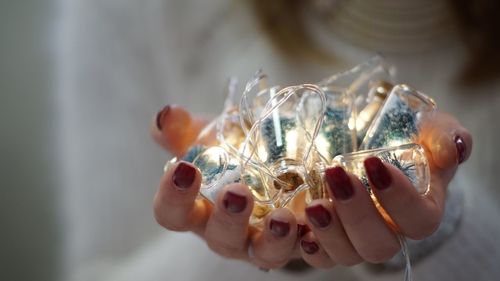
(121, 61)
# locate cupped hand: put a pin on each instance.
(224, 225)
(349, 229)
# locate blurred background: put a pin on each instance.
(30, 231)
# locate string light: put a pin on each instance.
(279, 140)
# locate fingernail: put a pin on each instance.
(302, 229)
(461, 148)
(339, 183)
(310, 247)
(377, 173)
(279, 228)
(160, 116)
(184, 175)
(234, 203)
(319, 216)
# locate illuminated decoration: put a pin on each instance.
(408, 158)
(279, 140)
(399, 120)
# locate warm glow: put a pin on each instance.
(276, 119)
(394, 143)
(352, 123)
(323, 145)
(291, 142)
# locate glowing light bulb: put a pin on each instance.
(399, 120)
(279, 140)
(409, 158)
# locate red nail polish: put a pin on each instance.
(461, 148)
(302, 229)
(310, 247)
(234, 203)
(184, 175)
(160, 116)
(319, 216)
(377, 173)
(339, 183)
(279, 228)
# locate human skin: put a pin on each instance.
(345, 228)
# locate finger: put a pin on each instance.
(175, 204)
(448, 142)
(302, 229)
(417, 216)
(367, 230)
(175, 129)
(227, 228)
(273, 247)
(330, 233)
(313, 253)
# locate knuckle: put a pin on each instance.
(272, 255)
(171, 225)
(228, 222)
(380, 255)
(273, 262)
(224, 249)
(165, 222)
(425, 230)
(324, 265)
(427, 226)
(350, 261)
(358, 219)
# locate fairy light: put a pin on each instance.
(279, 141)
(276, 119)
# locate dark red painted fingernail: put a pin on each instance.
(279, 228)
(339, 183)
(160, 116)
(461, 148)
(377, 173)
(310, 247)
(319, 216)
(302, 229)
(234, 203)
(184, 175)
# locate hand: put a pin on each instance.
(223, 225)
(348, 229)
(352, 232)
